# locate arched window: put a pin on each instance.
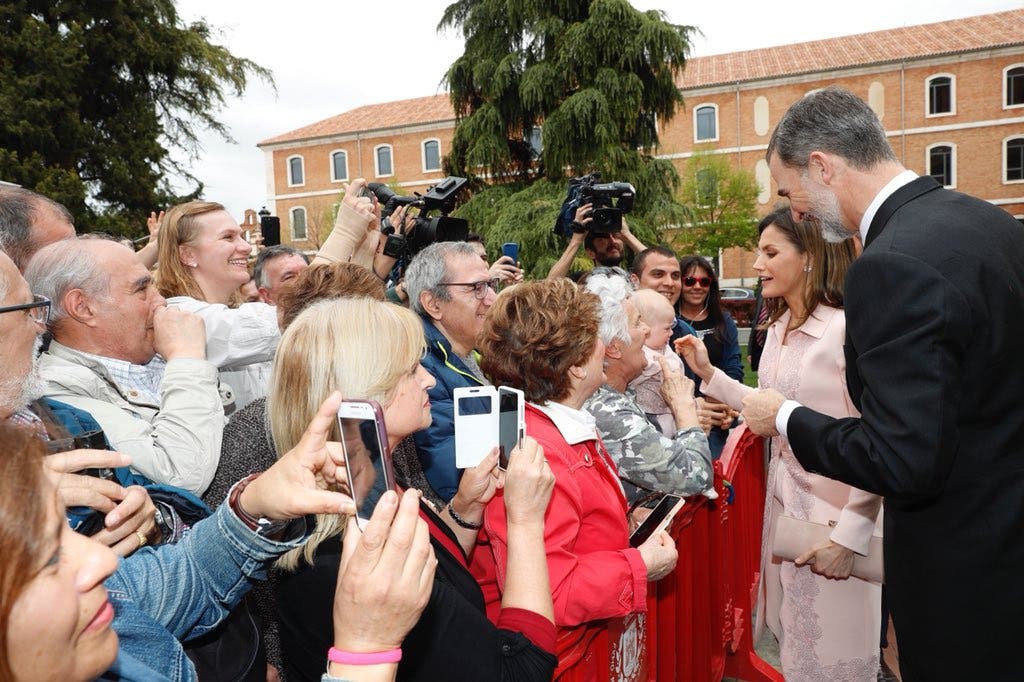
(298, 219)
(431, 155)
(705, 123)
(1013, 84)
(941, 95)
(941, 161)
(296, 171)
(382, 160)
(339, 166)
(1013, 159)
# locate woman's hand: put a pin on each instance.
(385, 577)
(153, 223)
(659, 555)
(290, 489)
(529, 482)
(477, 488)
(829, 559)
(364, 206)
(677, 390)
(695, 354)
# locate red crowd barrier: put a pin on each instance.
(698, 625)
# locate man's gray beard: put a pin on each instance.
(833, 232)
(18, 392)
(825, 209)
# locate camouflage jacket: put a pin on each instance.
(680, 465)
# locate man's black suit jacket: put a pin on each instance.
(935, 313)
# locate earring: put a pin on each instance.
(193, 265)
(807, 268)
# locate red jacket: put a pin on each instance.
(594, 572)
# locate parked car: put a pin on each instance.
(739, 302)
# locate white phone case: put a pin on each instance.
(475, 434)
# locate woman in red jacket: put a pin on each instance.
(541, 337)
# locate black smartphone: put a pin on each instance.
(364, 444)
(658, 520)
(511, 422)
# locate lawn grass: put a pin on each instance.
(749, 375)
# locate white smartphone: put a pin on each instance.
(476, 430)
(511, 422)
(659, 519)
(364, 444)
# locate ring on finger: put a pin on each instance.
(142, 538)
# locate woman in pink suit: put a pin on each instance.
(827, 622)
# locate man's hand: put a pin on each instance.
(759, 410)
(129, 511)
(178, 334)
(829, 559)
(293, 486)
(506, 269)
(584, 215)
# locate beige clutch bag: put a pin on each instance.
(793, 537)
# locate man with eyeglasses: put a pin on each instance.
(452, 290)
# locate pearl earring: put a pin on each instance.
(807, 268)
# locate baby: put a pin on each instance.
(657, 312)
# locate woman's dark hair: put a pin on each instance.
(714, 299)
(829, 263)
(23, 535)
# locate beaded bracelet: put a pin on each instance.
(461, 521)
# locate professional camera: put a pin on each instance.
(427, 229)
(610, 201)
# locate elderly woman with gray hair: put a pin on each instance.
(647, 460)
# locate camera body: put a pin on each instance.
(610, 201)
(426, 229)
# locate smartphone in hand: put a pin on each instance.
(510, 249)
(659, 519)
(511, 422)
(364, 444)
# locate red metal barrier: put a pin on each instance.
(698, 625)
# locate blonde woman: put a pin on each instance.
(370, 349)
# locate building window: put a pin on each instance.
(296, 171)
(298, 215)
(940, 95)
(339, 166)
(382, 160)
(705, 123)
(1013, 164)
(1014, 84)
(431, 156)
(536, 141)
(941, 164)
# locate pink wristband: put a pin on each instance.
(370, 658)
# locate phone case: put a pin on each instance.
(476, 423)
(367, 409)
(520, 420)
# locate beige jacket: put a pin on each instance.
(176, 442)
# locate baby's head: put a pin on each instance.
(657, 312)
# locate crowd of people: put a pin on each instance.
(175, 502)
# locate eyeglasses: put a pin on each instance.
(38, 309)
(703, 281)
(479, 288)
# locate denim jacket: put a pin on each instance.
(172, 593)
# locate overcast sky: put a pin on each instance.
(329, 57)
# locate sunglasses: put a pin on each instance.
(479, 288)
(703, 281)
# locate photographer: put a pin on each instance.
(602, 248)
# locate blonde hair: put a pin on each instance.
(650, 304)
(180, 225)
(358, 346)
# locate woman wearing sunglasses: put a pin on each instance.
(700, 306)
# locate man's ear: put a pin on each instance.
(431, 304)
(821, 167)
(79, 307)
(634, 279)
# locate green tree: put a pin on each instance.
(96, 92)
(721, 205)
(592, 77)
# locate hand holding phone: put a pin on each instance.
(659, 519)
(510, 249)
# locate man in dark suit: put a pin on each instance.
(935, 311)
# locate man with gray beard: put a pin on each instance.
(129, 519)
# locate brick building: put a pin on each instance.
(950, 95)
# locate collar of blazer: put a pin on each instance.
(903, 195)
